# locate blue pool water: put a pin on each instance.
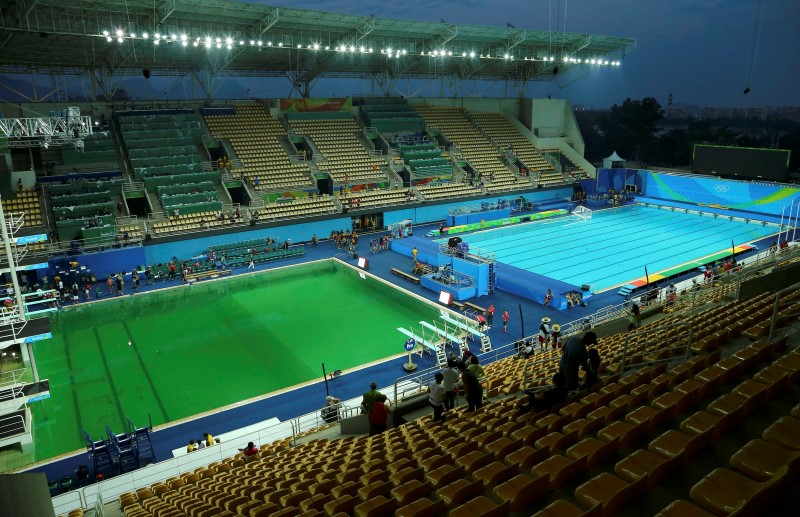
(613, 247)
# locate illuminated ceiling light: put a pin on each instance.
(252, 42)
(173, 37)
(105, 33)
(505, 56)
(316, 46)
(145, 35)
(183, 37)
(133, 35)
(219, 40)
(369, 50)
(299, 46)
(120, 33)
(208, 43)
(195, 43)
(228, 47)
(241, 42)
(108, 39)
(184, 43)
(472, 54)
(280, 44)
(463, 54)
(156, 42)
(363, 50)
(327, 47)
(120, 40)
(219, 45)
(158, 35)
(450, 53)
(229, 41)
(163, 36)
(405, 52)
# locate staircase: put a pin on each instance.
(492, 267)
(486, 343)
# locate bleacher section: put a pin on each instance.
(391, 115)
(485, 157)
(297, 207)
(238, 254)
(97, 149)
(448, 190)
(567, 165)
(254, 134)
(345, 157)
(85, 210)
(194, 221)
(27, 202)
(505, 134)
(371, 198)
(425, 161)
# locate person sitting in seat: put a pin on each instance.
(540, 401)
(250, 452)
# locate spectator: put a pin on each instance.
(505, 320)
(379, 415)
(191, 447)
(540, 401)
(472, 387)
(450, 377)
(369, 398)
(209, 439)
(592, 376)
(475, 367)
(250, 452)
(436, 396)
(574, 357)
(330, 413)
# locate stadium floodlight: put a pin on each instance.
(505, 56)
(449, 52)
(173, 37)
(363, 50)
(120, 33)
(132, 35)
(229, 40)
(156, 42)
(405, 52)
(105, 33)
(252, 42)
(327, 47)
(316, 46)
(241, 42)
(157, 35)
(352, 48)
(208, 43)
(389, 50)
(145, 35)
(184, 43)
(120, 40)
(108, 39)
(369, 50)
(472, 54)
(280, 44)
(195, 43)
(299, 45)
(219, 45)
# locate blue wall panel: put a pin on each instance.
(429, 214)
(103, 264)
(297, 232)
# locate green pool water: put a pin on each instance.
(197, 348)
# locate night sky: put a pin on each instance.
(696, 50)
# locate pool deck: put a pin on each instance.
(289, 403)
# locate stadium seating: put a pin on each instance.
(296, 207)
(194, 222)
(505, 134)
(254, 134)
(568, 166)
(345, 156)
(480, 152)
(446, 190)
(371, 198)
(27, 202)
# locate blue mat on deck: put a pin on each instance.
(532, 286)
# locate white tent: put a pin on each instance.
(614, 161)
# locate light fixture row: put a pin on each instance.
(229, 43)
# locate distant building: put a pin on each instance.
(786, 113)
(722, 113)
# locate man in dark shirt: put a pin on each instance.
(472, 387)
(576, 356)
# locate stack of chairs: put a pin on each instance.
(254, 134)
(504, 134)
(345, 156)
(480, 152)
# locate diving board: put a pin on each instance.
(463, 326)
(418, 339)
(441, 357)
(460, 340)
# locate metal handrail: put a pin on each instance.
(776, 307)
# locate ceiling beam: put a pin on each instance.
(29, 7)
(351, 38)
(254, 32)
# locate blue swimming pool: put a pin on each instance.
(614, 246)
